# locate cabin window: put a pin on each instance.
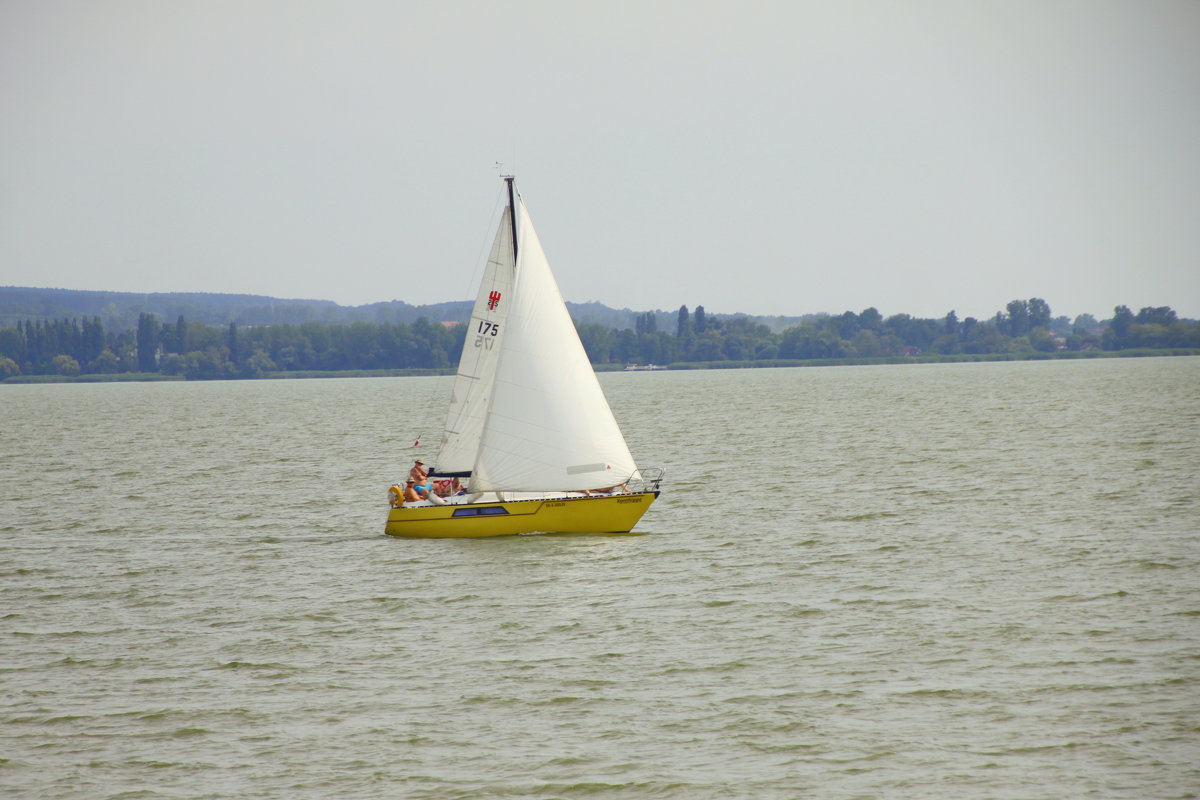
(475, 512)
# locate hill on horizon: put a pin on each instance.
(120, 310)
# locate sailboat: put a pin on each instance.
(529, 434)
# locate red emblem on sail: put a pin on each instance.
(493, 301)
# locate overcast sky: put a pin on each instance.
(760, 157)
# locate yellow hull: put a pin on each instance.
(596, 514)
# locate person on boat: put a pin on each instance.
(415, 494)
(420, 478)
(411, 495)
(608, 490)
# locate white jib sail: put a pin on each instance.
(549, 426)
(476, 368)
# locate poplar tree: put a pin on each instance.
(682, 326)
(147, 342)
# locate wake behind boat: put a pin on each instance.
(529, 434)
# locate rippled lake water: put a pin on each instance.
(925, 581)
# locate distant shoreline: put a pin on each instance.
(776, 363)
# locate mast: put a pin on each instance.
(512, 212)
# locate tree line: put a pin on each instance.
(1026, 326)
(197, 350)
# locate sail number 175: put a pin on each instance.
(486, 334)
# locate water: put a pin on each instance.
(927, 581)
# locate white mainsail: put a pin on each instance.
(548, 425)
(477, 366)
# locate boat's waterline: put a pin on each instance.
(596, 514)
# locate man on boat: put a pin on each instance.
(415, 494)
(420, 478)
(411, 495)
